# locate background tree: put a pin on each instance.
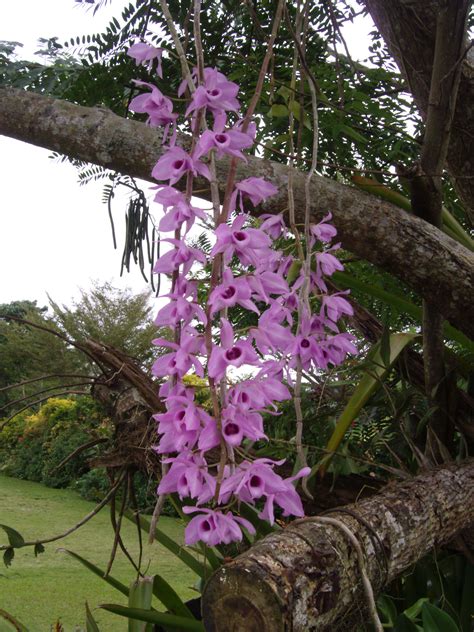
(114, 317)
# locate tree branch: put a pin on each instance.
(413, 49)
(431, 263)
(307, 577)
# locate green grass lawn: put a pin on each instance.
(39, 591)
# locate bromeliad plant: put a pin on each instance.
(247, 270)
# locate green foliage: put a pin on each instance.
(377, 365)
(27, 352)
(448, 583)
(33, 446)
(93, 485)
(114, 317)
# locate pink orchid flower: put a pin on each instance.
(181, 255)
(323, 231)
(289, 499)
(247, 244)
(158, 107)
(230, 142)
(334, 306)
(230, 353)
(182, 358)
(327, 263)
(253, 480)
(175, 163)
(232, 291)
(214, 527)
(238, 423)
(144, 54)
(273, 225)
(188, 476)
(217, 94)
(177, 209)
(256, 189)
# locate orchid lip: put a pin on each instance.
(229, 292)
(240, 236)
(255, 481)
(177, 164)
(233, 354)
(214, 93)
(231, 429)
(222, 139)
(305, 343)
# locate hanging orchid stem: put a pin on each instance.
(301, 456)
(253, 104)
(177, 42)
(264, 278)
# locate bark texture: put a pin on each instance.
(409, 30)
(306, 578)
(433, 264)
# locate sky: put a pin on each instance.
(55, 235)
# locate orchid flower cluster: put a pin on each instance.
(248, 271)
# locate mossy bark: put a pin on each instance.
(306, 578)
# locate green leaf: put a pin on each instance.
(436, 620)
(91, 625)
(39, 548)
(413, 612)
(385, 347)
(466, 607)
(293, 272)
(347, 281)
(388, 610)
(14, 538)
(295, 107)
(19, 627)
(141, 593)
(402, 624)
(99, 572)
(195, 565)
(380, 190)
(168, 621)
(346, 130)
(262, 527)
(170, 599)
(278, 110)
(8, 556)
(369, 383)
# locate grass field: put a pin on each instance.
(39, 591)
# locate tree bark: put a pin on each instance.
(306, 578)
(433, 264)
(409, 30)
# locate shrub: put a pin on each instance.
(32, 446)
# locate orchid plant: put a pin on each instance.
(248, 271)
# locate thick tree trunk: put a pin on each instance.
(306, 578)
(409, 30)
(434, 265)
